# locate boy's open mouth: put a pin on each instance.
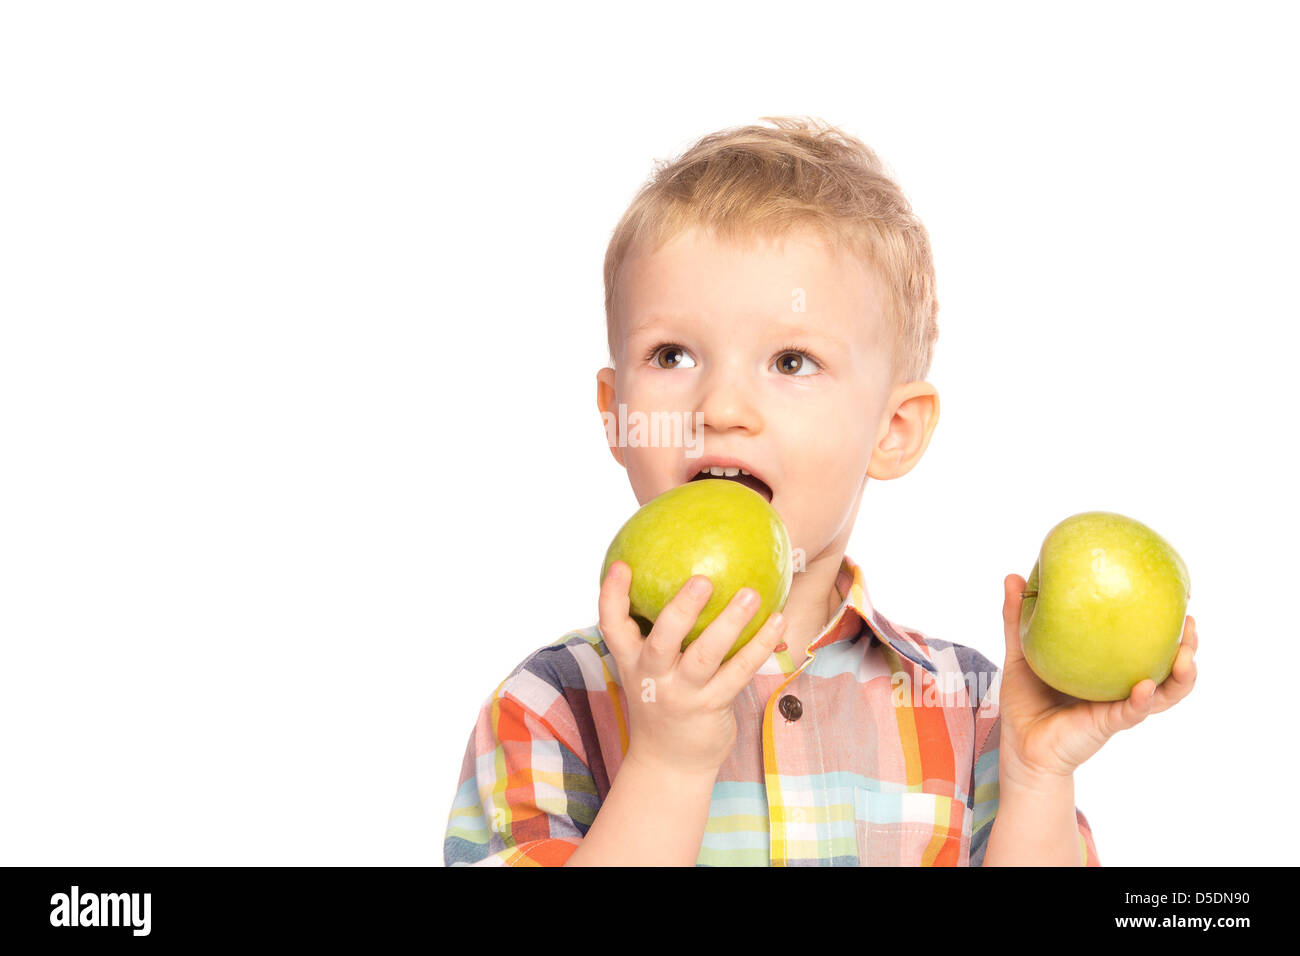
(735, 474)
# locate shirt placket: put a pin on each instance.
(790, 812)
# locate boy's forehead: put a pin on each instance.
(794, 283)
(798, 248)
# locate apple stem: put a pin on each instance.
(1025, 594)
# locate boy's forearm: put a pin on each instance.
(1035, 824)
(650, 817)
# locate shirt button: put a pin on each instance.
(790, 707)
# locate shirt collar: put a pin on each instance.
(855, 610)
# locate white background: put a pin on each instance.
(302, 311)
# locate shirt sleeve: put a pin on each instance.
(525, 797)
(984, 784)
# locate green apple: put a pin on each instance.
(714, 527)
(1103, 608)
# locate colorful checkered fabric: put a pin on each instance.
(891, 760)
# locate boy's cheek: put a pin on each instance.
(652, 471)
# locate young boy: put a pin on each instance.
(773, 285)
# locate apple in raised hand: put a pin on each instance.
(1103, 608)
(714, 527)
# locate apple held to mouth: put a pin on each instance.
(715, 527)
(1104, 606)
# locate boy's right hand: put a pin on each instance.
(680, 702)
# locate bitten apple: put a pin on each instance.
(1103, 608)
(715, 527)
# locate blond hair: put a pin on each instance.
(751, 181)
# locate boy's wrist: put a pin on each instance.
(1014, 775)
(669, 772)
(1035, 823)
(654, 815)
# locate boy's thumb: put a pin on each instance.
(1012, 587)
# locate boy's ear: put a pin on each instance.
(910, 416)
(608, 413)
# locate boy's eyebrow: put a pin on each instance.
(789, 330)
(794, 331)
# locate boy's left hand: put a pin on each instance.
(1046, 733)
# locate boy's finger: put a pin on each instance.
(673, 624)
(700, 661)
(1182, 677)
(1178, 684)
(622, 636)
(733, 676)
(1131, 711)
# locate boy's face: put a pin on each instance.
(708, 327)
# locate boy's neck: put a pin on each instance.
(814, 599)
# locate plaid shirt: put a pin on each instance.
(879, 748)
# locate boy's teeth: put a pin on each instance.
(720, 472)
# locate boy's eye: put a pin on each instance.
(670, 356)
(795, 362)
(791, 361)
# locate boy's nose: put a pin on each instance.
(728, 402)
